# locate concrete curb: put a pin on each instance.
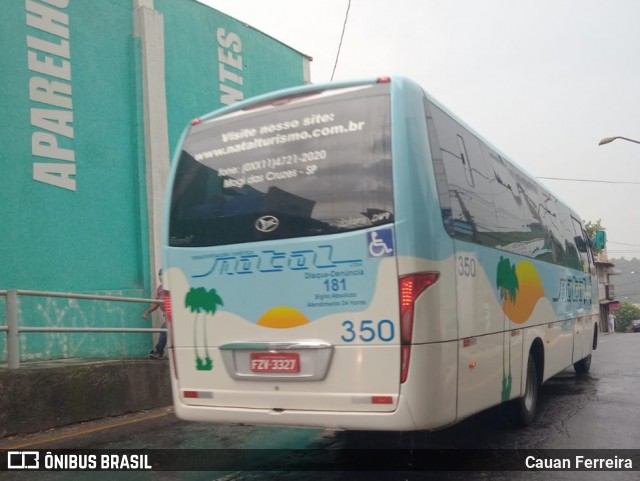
(40, 396)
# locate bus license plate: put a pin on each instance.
(276, 362)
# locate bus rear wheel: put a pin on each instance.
(583, 365)
(523, 410)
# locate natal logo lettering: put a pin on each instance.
(276, 261)
(572, 289)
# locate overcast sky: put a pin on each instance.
(542, 80)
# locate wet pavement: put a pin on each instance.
(597, 411)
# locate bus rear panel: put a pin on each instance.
(282, 263)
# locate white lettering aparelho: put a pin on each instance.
(52, 107)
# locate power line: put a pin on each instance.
(344, 27)
(590, 180)
(623, 244)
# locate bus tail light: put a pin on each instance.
(411, 287)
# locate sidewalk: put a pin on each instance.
(44, 395)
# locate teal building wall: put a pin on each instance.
(94, 96)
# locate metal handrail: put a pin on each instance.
(13, 329)
(71, 295)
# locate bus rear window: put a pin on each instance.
(305, 166)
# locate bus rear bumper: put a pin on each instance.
(426, 402)
(398, 420)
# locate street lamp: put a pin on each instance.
(611, 139)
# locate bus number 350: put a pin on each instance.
(466, 266)
(368, 331)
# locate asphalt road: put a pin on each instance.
(598, 411)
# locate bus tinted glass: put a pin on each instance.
(301, 166)
(486, 199)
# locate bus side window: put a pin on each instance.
(572, 257)
(472, 211)
(440, 174)
(582, 243)
(521, 219)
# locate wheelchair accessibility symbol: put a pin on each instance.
(380, 243)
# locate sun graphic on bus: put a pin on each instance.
(282, 317)
(520, 289)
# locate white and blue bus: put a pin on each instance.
(352, 256)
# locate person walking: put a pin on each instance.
(161, 293)
(611, 319)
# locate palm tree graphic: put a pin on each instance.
(507, 283)
(202, 302)
(507, 280)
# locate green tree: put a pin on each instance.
(624, 315)
(593, 227)
(202, 302)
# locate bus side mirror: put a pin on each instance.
(601, 240)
